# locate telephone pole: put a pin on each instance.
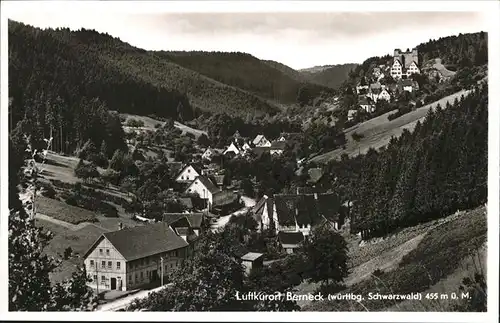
(161, 270)
(97, 276)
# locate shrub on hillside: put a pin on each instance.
(48, 190)
(134, 123)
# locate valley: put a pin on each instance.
(219, 172)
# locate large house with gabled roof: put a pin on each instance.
(261, 141)
(187, 174)
(297, 212)
(132, 257)
(204, 187)
(405, 63)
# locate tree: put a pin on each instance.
(327, 254)
(86, 171)
(209, 281)
(116, 162)
(203, 141)
(30, 288)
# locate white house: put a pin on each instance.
(209, 153)
(132, 257)
(277, 148)
(188, 174)
(413, 69)
(366, 105)
(397, 69)
(282, 138)
(351, 114)
(204, 188)
(384, 95)
(232, 148)
(261, 141)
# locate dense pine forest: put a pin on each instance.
(431, 172)
(246, 72)
(464, 50)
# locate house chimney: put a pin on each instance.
(120, 226)
(315, 195)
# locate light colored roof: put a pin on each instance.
(257, 139)
(252, 256)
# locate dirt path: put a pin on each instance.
(70, 226)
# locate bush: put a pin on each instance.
(48, 190)
(134, 123)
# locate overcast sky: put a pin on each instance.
(298, 40)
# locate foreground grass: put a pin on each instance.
(79, 241)
(435, 258)
(64, 212)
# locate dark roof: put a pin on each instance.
(142, 241)
(286, 208)
(261, 150)
(187, 201)
(207, 183)
(278, 145)
(174, 167)
(192, 220)
(363, 100)
(182, 231)
(315, 174)
(407, 82)
(329, 206)
(304, 208)
(290, 237)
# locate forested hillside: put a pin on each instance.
(85, 63)
(464, 50)
(437, 169)
(246, 72)
(331, 76)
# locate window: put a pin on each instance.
(136, 277)
(100, 251)
(118, 265)
(166, 267)
(103, 264)
(142, 262)
(189, 170)
(95, 277)
(107, 252)
(103, 279)
(142, 276)
(110, 264)
(91, 263)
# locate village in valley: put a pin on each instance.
(168, 198)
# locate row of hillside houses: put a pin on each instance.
(259, 145)
(369, 95)
(293, 216)
(132, 258)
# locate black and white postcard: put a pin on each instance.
(206, 158)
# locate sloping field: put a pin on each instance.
(377, 132)
(435, 263)
(150, 123)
